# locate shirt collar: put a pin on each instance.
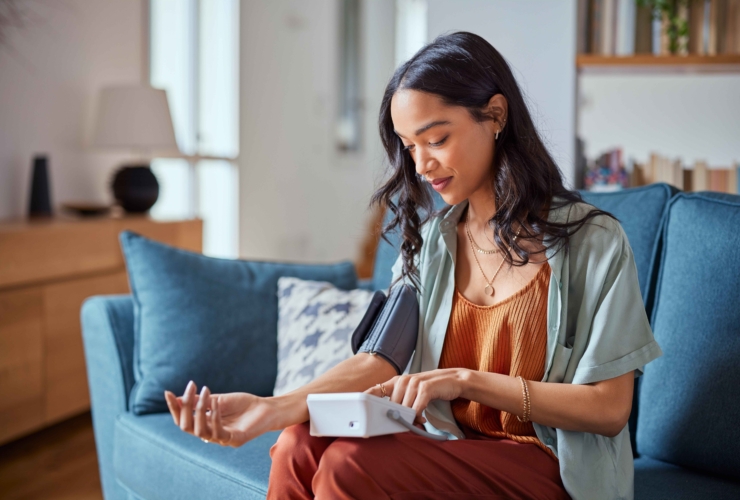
(451, 219)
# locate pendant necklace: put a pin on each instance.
(489, 290)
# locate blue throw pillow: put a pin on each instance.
(213, 321)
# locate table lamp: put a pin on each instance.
(135, 118)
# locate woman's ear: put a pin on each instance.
(498, 109)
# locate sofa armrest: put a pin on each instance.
(108, 338)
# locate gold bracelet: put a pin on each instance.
(525, 401)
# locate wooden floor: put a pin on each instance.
(56, 463)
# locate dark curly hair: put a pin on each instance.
(463, 69)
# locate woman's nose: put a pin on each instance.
(424, 162)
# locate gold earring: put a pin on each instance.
(500, 129)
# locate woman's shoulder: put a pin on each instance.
(600, 234)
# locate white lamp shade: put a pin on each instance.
(134, 117)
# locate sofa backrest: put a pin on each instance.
(689, 405)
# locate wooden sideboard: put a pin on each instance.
(47, 269)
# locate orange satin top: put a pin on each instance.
(510, 338)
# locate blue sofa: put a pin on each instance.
(685, 424)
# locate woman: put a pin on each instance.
(532, 325)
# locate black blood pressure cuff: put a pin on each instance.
(390, 327)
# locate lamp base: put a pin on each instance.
(135, 188)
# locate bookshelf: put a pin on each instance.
(630, 42)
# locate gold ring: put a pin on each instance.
(382, 390)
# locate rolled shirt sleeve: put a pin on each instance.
(612, 331)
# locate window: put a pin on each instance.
(411, 28)
(348, 127)
(194, 56)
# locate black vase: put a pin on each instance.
(135, 188)
(39, 204)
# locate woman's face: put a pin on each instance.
(449, 148)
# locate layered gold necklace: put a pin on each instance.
(489, 290)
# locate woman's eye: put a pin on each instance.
(438, 143)
(433, 144)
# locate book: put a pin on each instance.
(717, 27)
(719, 179)
(696, 27)
(643, 30)
(671, 172)
(636, 172)
(700, 177)
(732, 27)
(663, 169)
(676, 172)
(583, 26)
(665, 40)
(625, 30)
(608, 21)
(649, 171)
(595, 20)
(733, 186)
(606, 173)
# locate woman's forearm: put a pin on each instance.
(355, 374)
(599, 408)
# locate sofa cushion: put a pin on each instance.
(657, 480)
(315, 325)
(688, 399)
(213, 321)
(154, 459)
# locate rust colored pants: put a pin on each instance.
(407, 466)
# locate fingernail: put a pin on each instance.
(203, 390)
(190, 384)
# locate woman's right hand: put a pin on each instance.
(229, 419)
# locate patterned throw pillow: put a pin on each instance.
(315, 323)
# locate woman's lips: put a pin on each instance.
(440, 184)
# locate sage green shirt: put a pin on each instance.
(597, 329)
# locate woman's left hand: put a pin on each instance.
(417, 390)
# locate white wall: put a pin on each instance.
(694, 117)
(49, 77)
(300, 199)
(538, 40)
